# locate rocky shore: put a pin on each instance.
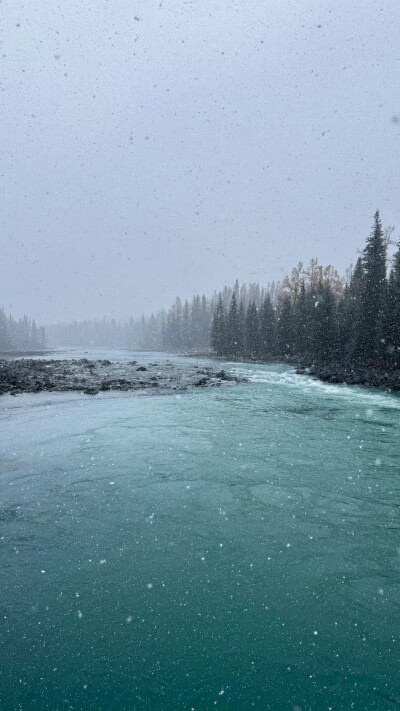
(28, 375)
(369, 377)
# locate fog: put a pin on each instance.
(156, 149)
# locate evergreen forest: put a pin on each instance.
(314, 315)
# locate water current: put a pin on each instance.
(231, 548)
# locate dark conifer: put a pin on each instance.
(218, 332)
(325, 325)
(252, 336)
(232, 333)
(370, 341)
(267, 329)
(241, 328)
(285, 327)
(302, 322)
(392, 313)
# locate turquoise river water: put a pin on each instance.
(235, 548)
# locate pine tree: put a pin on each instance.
(25, 333)
(370, 340)
(218, 328)
(241, 329)
(285, 327)
(232, 334)
(326, 326)
(392, 313)
(42, 337)
(267, 329)
(186, 330)
(342, 324)
(350, 314)
(178, 324)
(302, 322)
(205, 324)
(252, 336)
(5, 340)
(34, 339)
(195, 321)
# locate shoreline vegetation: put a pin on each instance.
(19, 374)
(340, 330)
(369, 377)
(20, 336)
(334, 373)
(334, 330)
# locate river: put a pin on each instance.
(234, 548)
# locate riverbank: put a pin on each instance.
(6, 355)
(335, 373)
(369, 377)
(93, 376)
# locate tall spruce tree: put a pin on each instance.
(267, 329)
(186, 330)
(370, 342)
(241, 328)
(396, 302)
(5, 340)
(252, 336)
(302, 322)
(232, 333)
(218, 328)
(392, 313)
(325, 325)
(350, 314)
(285, 327)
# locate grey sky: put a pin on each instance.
(151, 149)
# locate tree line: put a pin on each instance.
(319, 316)
(184, 327)
(89, 333)
(313, 315)
(21, 335)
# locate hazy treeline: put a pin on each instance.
(185, 326)
(178, 328)
(83, 334)
(21, 335)
(319, 316)
(314, 314)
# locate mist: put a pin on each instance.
(199, 355)
(157, 149)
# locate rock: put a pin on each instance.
(367, 377)
(90, 377)
(224, 376)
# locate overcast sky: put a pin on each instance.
(151, 149)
